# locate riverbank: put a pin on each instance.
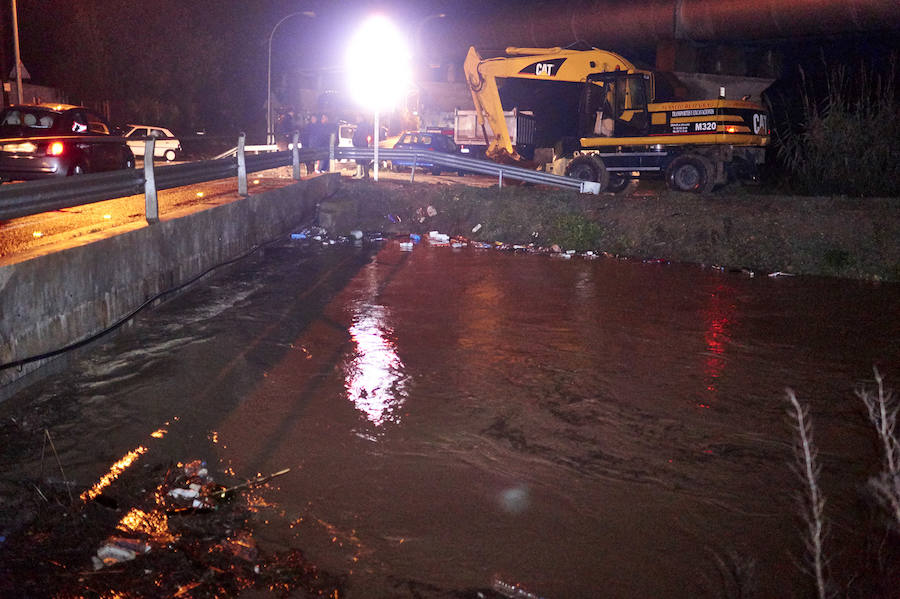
(837, 237)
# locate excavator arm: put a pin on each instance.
(547, 64)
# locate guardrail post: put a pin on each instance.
(412, 172)
(330, 152)
(242, 166)
(151, 204)
(500, 184)
(296, 156)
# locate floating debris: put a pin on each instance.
(779, 273)
(513, 591)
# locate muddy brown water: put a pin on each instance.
(457, 417)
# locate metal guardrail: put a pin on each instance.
(34, 197)
(470, 165)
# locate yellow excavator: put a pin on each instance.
(622, 131)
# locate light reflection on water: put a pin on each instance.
(374, 378)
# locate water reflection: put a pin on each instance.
(114, 471)
(717, 319)
(374, 378)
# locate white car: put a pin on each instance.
(167, 145)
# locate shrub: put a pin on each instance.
(845, 142)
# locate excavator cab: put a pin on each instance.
(614, 104)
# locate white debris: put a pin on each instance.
(183, 493)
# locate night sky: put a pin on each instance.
(203, 63)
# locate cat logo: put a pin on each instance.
(760, 124)
(545, 68)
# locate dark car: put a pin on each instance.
(57, 140)
(424, 140)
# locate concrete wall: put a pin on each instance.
(61, 297)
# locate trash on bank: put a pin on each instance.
(406, 246)
(513, 591)
(778, 273)
(118, 549)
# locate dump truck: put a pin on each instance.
(472, 139)
(618, 130)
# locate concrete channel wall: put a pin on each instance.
(61, 297)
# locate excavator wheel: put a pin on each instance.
(619, 184)
(589, 168)
(691, 172)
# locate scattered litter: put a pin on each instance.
(356, 234)
(118, 549)
(406, 246)
(298, 235)
(476, 228)
(431, 211)
(415, 238)
(555, 249)
(778, 273)
(439, 237)
(184, 493)
(513, 591)
(394, 218)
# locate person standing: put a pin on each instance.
(323, 141)
(307, 135)
(362, 138)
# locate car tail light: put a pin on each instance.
(24, 147)
(55, 148)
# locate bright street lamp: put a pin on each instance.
(270, 133)
(378, 66)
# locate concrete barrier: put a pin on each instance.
(63, 296)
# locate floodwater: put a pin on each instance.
(458, 420)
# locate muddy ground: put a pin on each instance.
(739, 228)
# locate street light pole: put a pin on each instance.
(419, 61)
(270, 133)
(15, 19)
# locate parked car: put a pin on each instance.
(424, 140)
(57, 140)
(166, 146)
